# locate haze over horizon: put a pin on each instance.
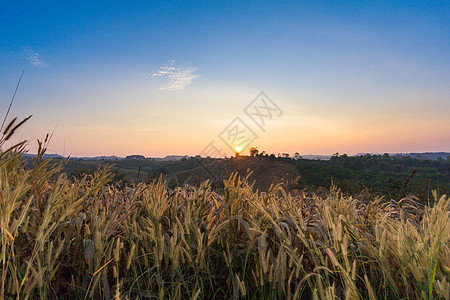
(119, 78)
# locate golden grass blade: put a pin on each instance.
(95, 273)
(7, 232)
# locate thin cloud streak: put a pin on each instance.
(179, 77)
(33, 57)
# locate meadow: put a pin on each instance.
(86, 238)
(393, 177)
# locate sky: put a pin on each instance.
(161, 78)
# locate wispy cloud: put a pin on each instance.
(33, 57)
(178, 77)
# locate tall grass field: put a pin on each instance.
(87, 239)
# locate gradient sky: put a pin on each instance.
(159, 78)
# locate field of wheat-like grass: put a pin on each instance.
(85, 238)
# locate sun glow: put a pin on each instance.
(239, 149)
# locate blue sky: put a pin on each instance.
(161, 78)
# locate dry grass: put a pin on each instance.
(88, 239)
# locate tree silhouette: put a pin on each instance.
(253, 151)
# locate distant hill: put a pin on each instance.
(424, 155)
(313, 156)
(135, 157)
(113, 158)
(264, 172)
(45, 156)
(171, 158)
(418, 155)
